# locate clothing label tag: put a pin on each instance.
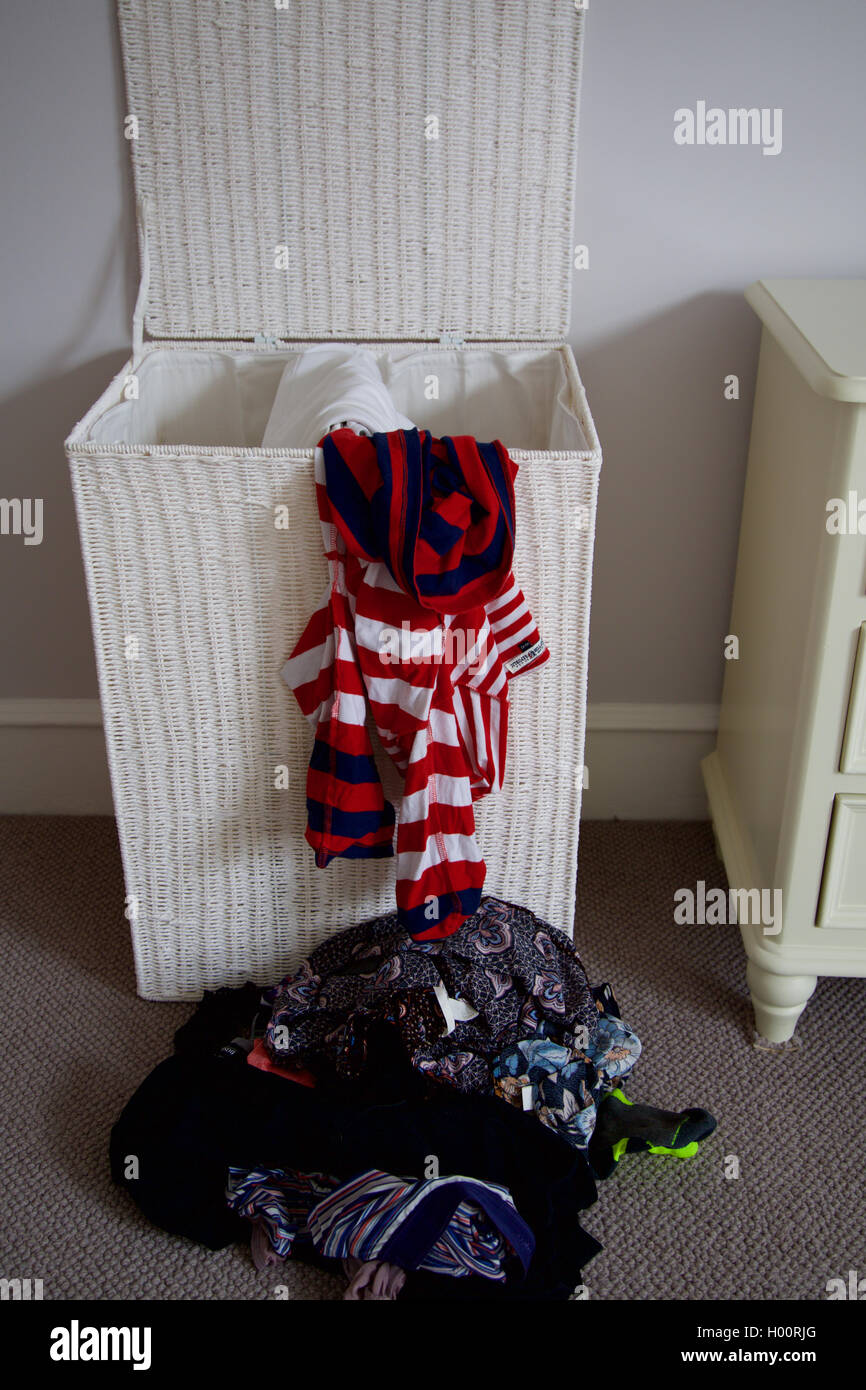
(454, 1010)
(237, 1047)
(526, 1097)
(518, 662)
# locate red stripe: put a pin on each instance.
(344, 796)
(336, 845)
(311, 694)
(445, 820)
(440, 757)
(346, 738)
(440, 930)
(437, 881)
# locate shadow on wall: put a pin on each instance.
(50, 575)
(46, 581)
(671, 491)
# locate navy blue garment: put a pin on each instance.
(194, 1117)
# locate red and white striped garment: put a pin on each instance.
(437, 688)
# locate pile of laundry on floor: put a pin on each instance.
(428, 1118)
(425, 1104)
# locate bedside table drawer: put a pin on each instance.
(854, 745)
(843, 886)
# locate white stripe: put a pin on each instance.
(485, 681)
(378, 576)
(418, 645)
(299, 670)
(441, 789)
(443, 728)
(473, 710)
(495, 733)
(480, 731)
(460, 694)
(512, 616)
(490, 678)
(352, 709)
(346, 647)
(420, 744)
(528, 627)
(507, 597)
(482, 654)
(411, 699)
(458, 848)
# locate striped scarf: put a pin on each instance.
(280, 1200)
(451, 1225)
(424, 624)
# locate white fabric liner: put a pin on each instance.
(222, 399)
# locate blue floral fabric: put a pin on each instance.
(566, 1076)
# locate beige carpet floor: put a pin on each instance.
(77, 1041)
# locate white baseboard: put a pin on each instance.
(643, 761)
(53, 759)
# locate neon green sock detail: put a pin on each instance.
(688, 1151)
(619, 1148)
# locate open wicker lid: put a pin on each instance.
(355, 168)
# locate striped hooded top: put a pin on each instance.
(422, 627)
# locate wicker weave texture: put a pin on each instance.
(311, 127)
(196, 598)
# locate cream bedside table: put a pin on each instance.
(787, 781)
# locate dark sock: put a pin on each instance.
(643, 1126)
(697, 1125)
(672, 1129)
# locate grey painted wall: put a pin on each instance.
(674, 234)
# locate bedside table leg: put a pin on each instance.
(778, 1000)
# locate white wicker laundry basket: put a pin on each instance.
(384, 171)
